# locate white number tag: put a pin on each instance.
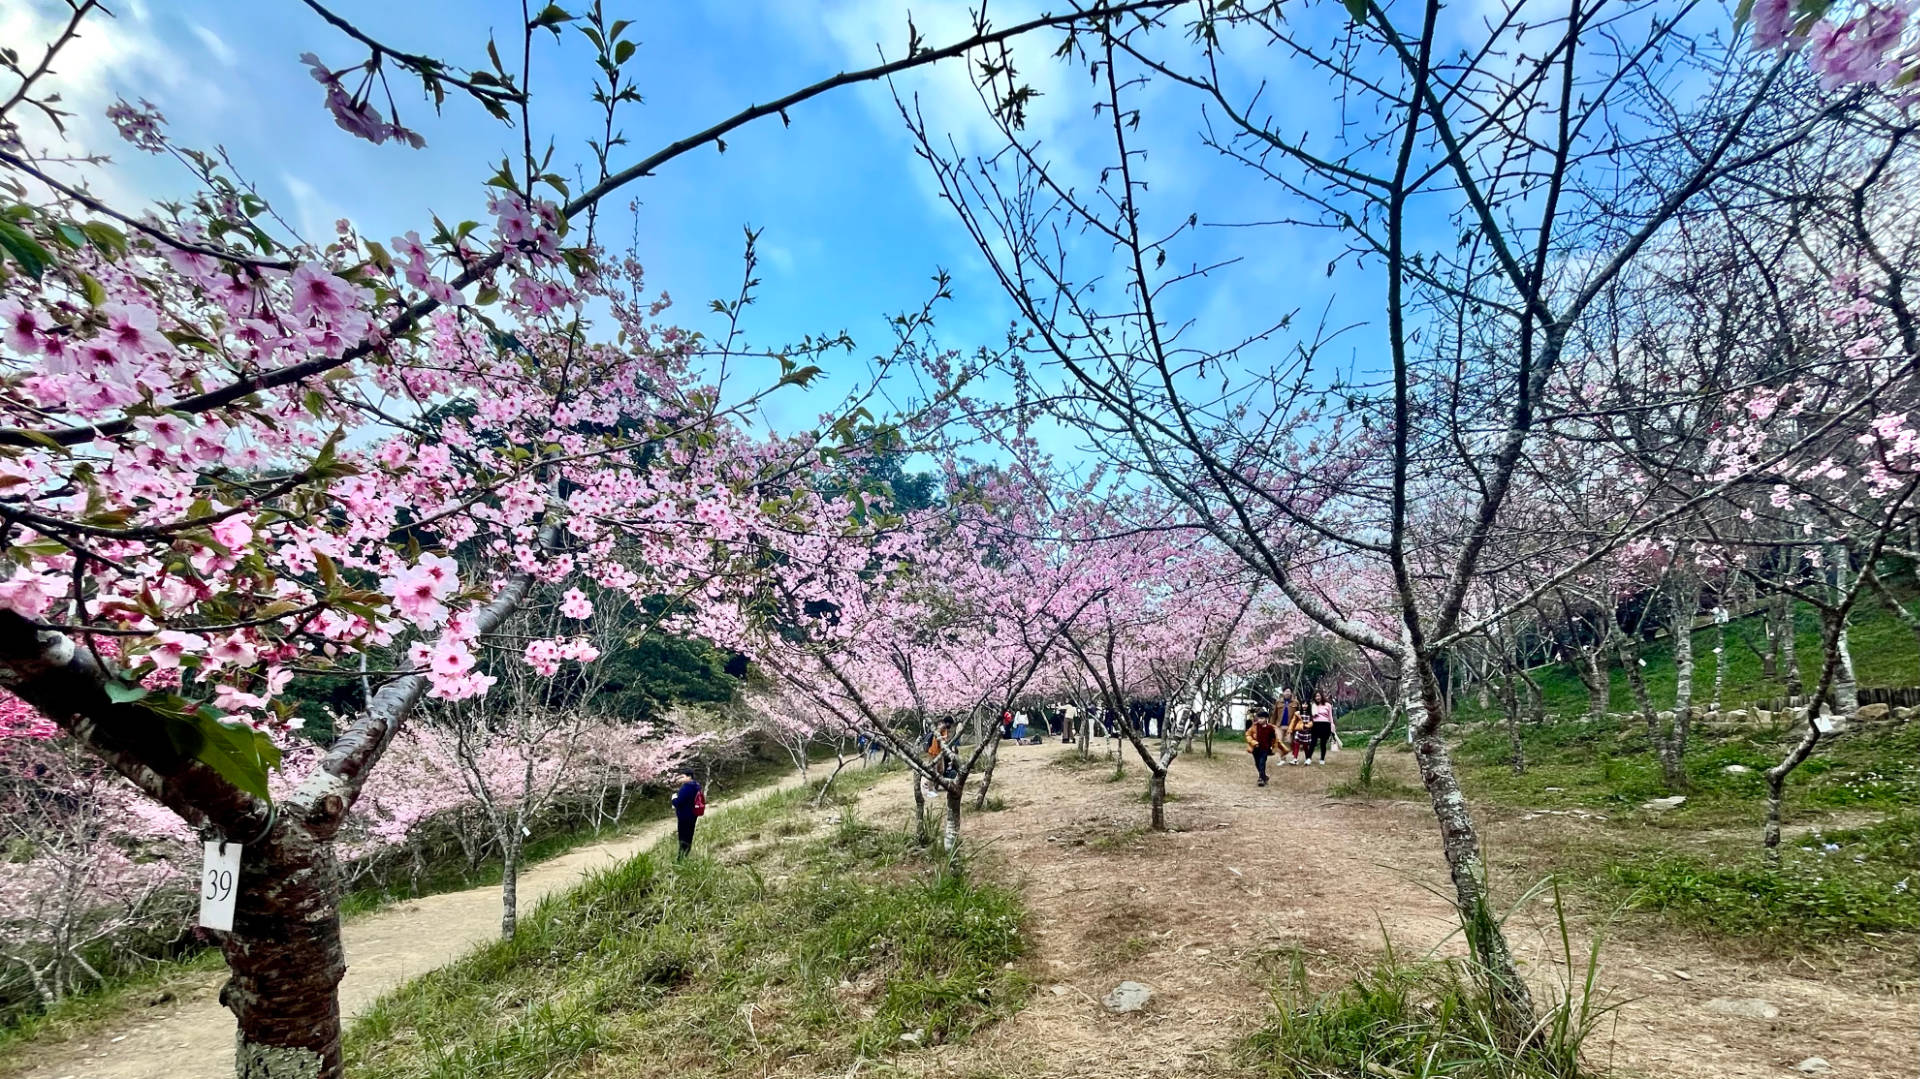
(219, 881)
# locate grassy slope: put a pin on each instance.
(1699, 864)
(802, 941)
(1885, 653)
(128, 989)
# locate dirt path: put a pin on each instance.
(191, 1037)
(1202, 915)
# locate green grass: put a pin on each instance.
(808, 953)
(1874, 767)
(128, 989)
(1884, 651)
(1074, 762)
(120, 996)
(1830, 883)
(1425, 1019)
(1698, 865)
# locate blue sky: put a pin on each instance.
(852, 232)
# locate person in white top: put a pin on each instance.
(1322, 731)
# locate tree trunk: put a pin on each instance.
(986, 777)
(1516, 749)
(1373, 744)
(1719, 665)
(1536, 700)
(1770, 623)
(1834, 631)
(285, 958)
(950, 830)
(1461, 842)
(1686, 602)
(1630, 659)
(1789, 657)
(1157, 796)
(839, 764)
(1593, 672)
(509, 887)
(919, 808)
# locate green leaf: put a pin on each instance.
(1357, 9)
(551, 16)
(25, 249)
(241, 755)
(121, 693)
(624, 52)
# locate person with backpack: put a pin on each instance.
(689, 805)
(1262, 737)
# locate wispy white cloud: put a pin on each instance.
(220, 49)
(313, 213)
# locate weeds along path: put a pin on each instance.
(1204, 915)
(192, 1037)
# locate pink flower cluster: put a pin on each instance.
(1863, 45)
(545, 655)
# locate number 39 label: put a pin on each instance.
(219, 881)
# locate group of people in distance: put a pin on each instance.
(1301, 730)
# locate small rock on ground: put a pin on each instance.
(1743, 1007)
(1664, 803)
(1813, 1066)
(1128, 997)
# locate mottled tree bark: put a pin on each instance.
(1459, 840)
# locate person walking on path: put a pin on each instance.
(1262, 737)
(1299, 733)
(689, 805)
(1285, 711)
(1320, 730)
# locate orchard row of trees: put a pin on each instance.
(1644, 341)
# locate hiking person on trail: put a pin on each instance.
(1262, 737)
(1300, 734)
(689, 805)
(1320, 730)
(1285, 714)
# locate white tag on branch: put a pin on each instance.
(219, 883)
(1828, 724)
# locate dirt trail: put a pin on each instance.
(1200, 915)
(192, 1037)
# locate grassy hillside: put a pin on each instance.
(1885, 653)
(795, 939)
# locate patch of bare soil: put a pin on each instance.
(1203, 914)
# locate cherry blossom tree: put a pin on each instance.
(252, 455)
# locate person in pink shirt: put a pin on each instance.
(1321, 732)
